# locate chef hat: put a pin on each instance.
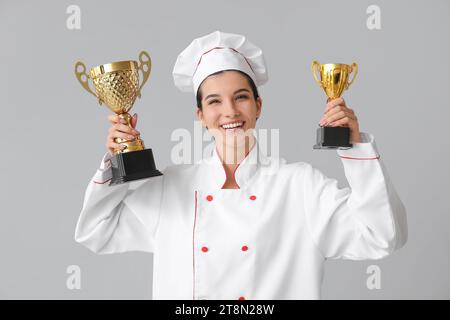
(215, 52)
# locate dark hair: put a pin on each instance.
(250, 82)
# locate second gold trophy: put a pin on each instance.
(117, 86)
(334, 79)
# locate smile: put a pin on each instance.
(233, 125)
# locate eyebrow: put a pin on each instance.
(215, 95)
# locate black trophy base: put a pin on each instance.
(133, 165)
(333, 138)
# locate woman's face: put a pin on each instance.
(229, 109)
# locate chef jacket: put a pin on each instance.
(268, 239)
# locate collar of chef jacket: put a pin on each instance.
(213, 174)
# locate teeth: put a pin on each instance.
(232, 125)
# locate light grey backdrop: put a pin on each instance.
(53, 132)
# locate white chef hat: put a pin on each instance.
(215, 52)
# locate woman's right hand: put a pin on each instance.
(119, 129)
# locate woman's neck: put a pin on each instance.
(232, 156)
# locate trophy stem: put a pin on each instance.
(135, 144)
(127, 117)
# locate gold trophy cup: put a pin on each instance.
(117, 86)
(334, 79)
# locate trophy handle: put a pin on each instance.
(80, 74)
(354, 67)
(315, 66)
(145, 73)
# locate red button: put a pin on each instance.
(209, 197)
(241, 298)
(204, 249)
(244, 248)
(252, 197)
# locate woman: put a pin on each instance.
(240, 225)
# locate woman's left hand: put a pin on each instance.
(338, 114)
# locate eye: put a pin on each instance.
(213, 101)
(242, 96)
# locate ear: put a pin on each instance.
(258, 107)
(200, 116)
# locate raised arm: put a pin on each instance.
(366, 220)
(117, 218)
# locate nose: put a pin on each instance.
(230, 109)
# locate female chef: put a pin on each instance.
(244, 226)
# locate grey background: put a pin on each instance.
(53, 132)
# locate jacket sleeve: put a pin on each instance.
(117, 218)
(364, 221)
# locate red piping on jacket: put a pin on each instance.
(360, 158)
(193, 248)
(221, 48)
(97, 182)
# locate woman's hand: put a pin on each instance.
(338, 114)
(120, 129)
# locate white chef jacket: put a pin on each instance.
(267, 240)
